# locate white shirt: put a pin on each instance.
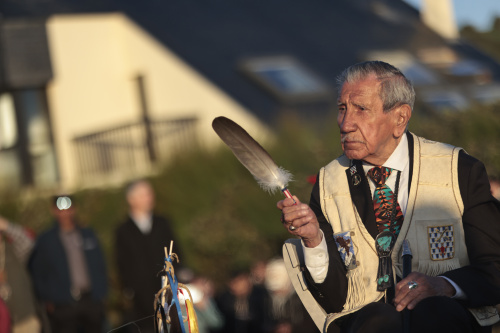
(317, 259)
(143, 222)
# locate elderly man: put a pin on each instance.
(388, 186)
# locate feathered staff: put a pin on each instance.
(167, 304)
(251, 154)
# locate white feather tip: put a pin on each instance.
(279, 182)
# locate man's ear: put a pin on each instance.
(403, 115)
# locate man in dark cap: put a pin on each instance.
(69, 272)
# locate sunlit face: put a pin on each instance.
(367, 132)
(240, 285)
(141, 198)
(64, 217)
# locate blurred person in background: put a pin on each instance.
(285, 308)
(16, 290)
(258, 272)
(495, 188)
(139, 251)
(209, 317)
(243, 305)
(69, 273)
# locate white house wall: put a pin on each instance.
(96, 59)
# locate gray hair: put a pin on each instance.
(130, 187)
(395, 88)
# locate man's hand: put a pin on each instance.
(302, 217)
(427, 286)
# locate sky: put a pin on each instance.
(479, 13)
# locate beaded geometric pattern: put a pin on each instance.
(383, 202)
(441, 242)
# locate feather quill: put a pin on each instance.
(250, 153)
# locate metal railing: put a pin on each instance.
(131, 150)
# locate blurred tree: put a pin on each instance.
(476, 130)
(496, 24)
(487, 41)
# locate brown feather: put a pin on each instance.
(251, 154)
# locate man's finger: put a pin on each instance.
(414, 301)
(411, 299)
(292, 201)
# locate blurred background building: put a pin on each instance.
(93, 93)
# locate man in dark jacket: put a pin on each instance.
(140, 242)
(69, 273)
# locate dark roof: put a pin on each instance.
(214, 36)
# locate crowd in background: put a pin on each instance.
(57, 281)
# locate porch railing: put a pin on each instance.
(131, 150)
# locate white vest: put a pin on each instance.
(434, 214)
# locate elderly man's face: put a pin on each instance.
(367, 133)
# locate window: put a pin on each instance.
(445, 99)
(10, 174)
(26, 149)
(40, 149)
(286, 78)
(416, 72)
(486, 93)
(8, 130)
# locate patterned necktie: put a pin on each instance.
(383, 202)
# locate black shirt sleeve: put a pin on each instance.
(331, 294)
(480, 280)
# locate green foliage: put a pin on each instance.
(476, 130)
(488, 41)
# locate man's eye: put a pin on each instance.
(341, 108)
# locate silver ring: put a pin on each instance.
(292, 228)
(412, 285)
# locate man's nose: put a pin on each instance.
(347, 123)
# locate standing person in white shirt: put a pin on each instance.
(139, 251)
(444, 209)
